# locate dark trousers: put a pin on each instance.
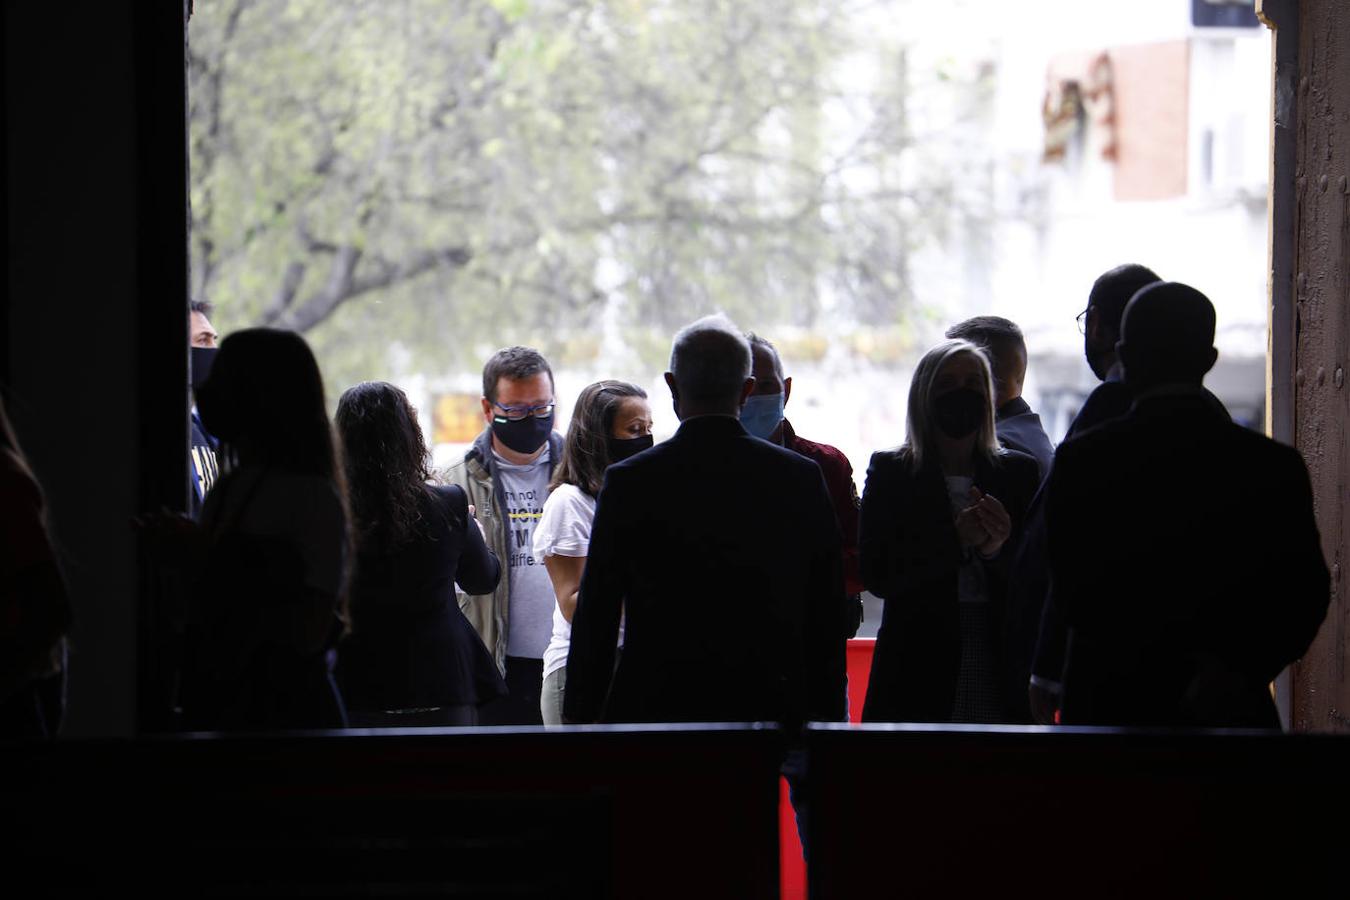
(520, 706)
(794, 770)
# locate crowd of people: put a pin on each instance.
(1158, 568)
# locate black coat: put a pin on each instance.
(910, 558)
(410, 645)
(723, 552)
(1186, 565)
(1036, 628)
(1033, 631)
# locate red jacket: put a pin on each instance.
(838, 472)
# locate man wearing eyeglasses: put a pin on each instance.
(1100, 327)
(506, 474)
(1099, 324)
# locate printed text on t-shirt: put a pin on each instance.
(523, 511)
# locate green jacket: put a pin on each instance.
(488, 613)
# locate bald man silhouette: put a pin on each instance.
(1183, 548)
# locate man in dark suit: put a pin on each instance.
(1036, 633)
(1017, 427)
(723, 554)
(1193, 574)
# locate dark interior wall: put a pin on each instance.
(1321, 395)
(95, 361)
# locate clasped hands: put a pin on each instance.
(984, 524)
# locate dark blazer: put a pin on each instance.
(410, 645)
(1034, 634)
(1109, 400)
(1188, 577)
(722, 552)
(910, 558)
(1040, 633)
(1020, 429)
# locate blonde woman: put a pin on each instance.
(941, 518)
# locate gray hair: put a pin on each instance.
(920, 429)
(767, 345)
(710, 360)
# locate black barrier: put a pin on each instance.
(685, 812)
(948, 811)
(688, 811)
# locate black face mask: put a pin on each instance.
(217, 411)
(622, 448)
(958, 413)
(1097, 357)
(201, 360)
(524, 436)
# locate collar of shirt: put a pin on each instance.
(1014, 407)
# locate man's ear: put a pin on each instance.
(674, 392)
(487, 410)
(1213, 358)
(746, 390)
(787, 389)
(1123, 354)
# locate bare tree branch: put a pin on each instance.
(344, 284)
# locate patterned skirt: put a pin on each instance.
(977, 699)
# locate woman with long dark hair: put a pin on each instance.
(611, 422)
(412, 657)
(941, 515)
(270, 594)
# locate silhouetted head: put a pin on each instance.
(264, 401)
(386, 461)
(709, 369)
(951, 397)
(612, 421)
(1002, 342)
(1167, 337)
(202, 342)
(762, 414)
(202, 333)
(1106, 305)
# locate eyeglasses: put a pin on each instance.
(520, 413)
(1082, 321)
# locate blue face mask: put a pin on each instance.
(762, 413)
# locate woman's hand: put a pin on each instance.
(970, 529)
(993, 518)
(473, 514)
